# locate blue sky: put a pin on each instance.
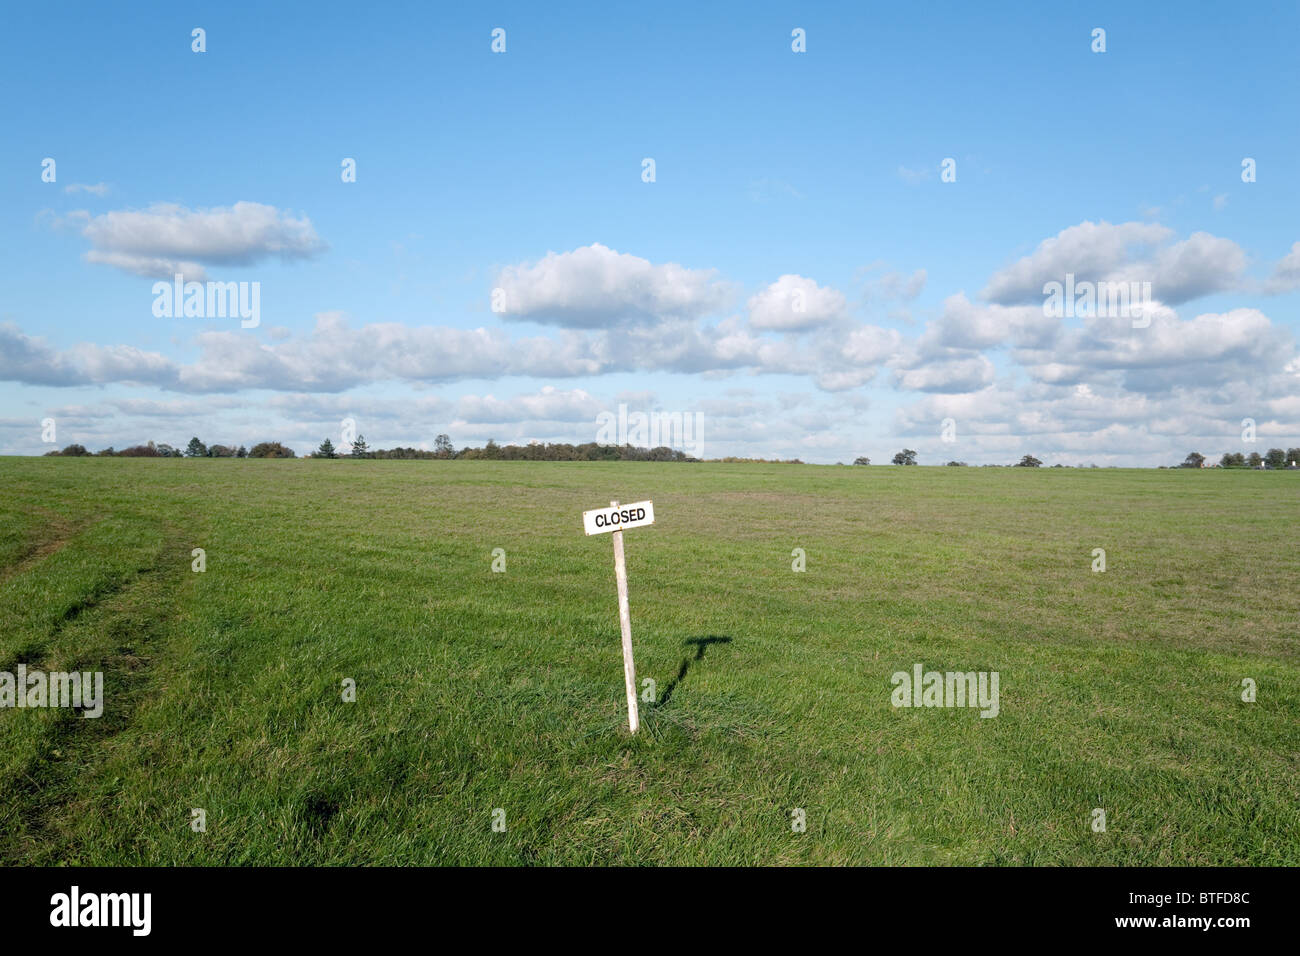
(522, 171)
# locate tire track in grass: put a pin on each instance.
(46, 539)
(116, 629)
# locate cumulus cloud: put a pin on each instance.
(1197, 266)
(895, 285)
(793, 303)
(866, 345)
(596, 287)
(166, 238)
(336, 356)
(548, 405)
(1286, 274)
(1209, 349)
(1128, 252)
(955, 375)
(32, 361)
(1103, 423)
(966, 325)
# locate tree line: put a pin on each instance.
(534, 451)
(908, 457)
(442, 449)
(1274, 459)
(195, 449)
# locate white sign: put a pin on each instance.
(619, 517)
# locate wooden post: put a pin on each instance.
(625, 625)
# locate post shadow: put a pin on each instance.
(701, 644)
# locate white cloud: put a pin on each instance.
(32, 361)
(1105, 424)
(596, 287)
(956, 375)
(794, 303)
(1197, 266)
(548, 405)
(966, 325)
(336, 356)
(1131, 251)
(98, 189)
(1286, 274)
(895, 285)
(165, 239)
(866, 345)
(1210, 349)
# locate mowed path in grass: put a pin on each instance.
(479, 690)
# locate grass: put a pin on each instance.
(479, 690)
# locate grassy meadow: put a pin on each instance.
(478, 690)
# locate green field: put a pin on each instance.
(478, 690)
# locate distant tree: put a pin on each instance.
(442, 447)
(1233, 459)
(242, 452)
(1276, 458)
(140, 451)
(105, 452)
(196, 448)
(491, 449)
(1029, 461)
(1193, 460)
(1293, 457)
(359, 448)
(167, 451)
(905, 457)
(221, 451)
(1253, 460)
(270, 449)
(862, 460)
(326, 450)
(957, 464)
(73, 451)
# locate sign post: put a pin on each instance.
(615, 519)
